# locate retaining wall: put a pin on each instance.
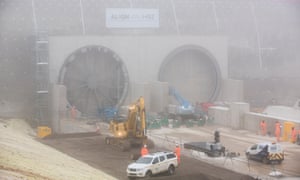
(237, 116)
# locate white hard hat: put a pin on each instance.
(177, 144)
(145, 145)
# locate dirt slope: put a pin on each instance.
(22, 157)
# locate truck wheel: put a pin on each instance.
(265, 160)
(171, 170)
(148, 174)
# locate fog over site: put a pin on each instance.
(262, 40)
(173, 71)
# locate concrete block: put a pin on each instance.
(137, 90)
(220, 115)
(237, 113)
(58, 106)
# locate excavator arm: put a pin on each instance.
(135, 125)
(131, 131)
(137, 118)
(185, 107)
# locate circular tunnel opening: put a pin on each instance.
(96, 79)
(193, 72)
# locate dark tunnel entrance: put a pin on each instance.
(95, 78)
(194, 72)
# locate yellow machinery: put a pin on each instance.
(132, 131)
(43, 131)
(287, 130)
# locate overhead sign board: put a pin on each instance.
(132, 18)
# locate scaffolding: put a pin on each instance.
(42, 78)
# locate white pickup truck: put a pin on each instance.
(151, 164)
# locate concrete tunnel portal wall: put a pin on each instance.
(101, 72)
(95, 77)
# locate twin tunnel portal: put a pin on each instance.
(96, 77)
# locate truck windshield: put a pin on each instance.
(144, 160)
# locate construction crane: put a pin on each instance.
(185, 109)
(132, 131)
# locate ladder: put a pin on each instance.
(42, 78)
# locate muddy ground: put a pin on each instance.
(24, 156)
(93, 151)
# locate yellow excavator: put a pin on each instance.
(130, 132)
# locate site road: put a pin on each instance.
(94, 151)
(235, 141)
(194, 165)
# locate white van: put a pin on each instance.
(266, 152)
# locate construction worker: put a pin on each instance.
(277, 131)
(263, 127)
(298, 140)
(177, 152)
(293, 135)
(144, 150)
